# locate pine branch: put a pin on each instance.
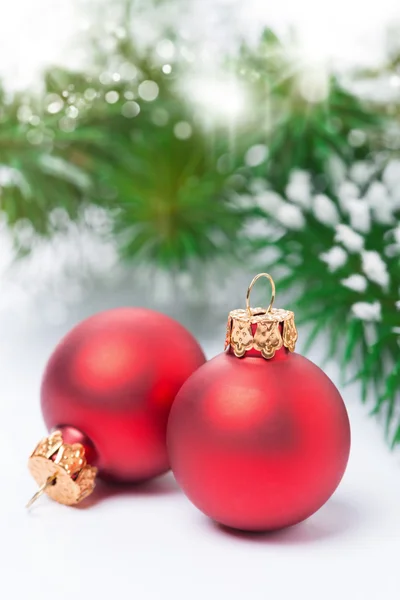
(124, 137)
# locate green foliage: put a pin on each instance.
(179, 188)
(307, 114)
(368, 345)
(169, 203)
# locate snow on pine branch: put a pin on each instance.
(362, 232)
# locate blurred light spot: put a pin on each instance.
(130, 109)
(165, 49)
(187, 54)
(167, 69)
(90, 94)
(24, 113)
(120, 32)
(314, 84)
(34, 120)
(54, 103)
(395, 81)
(72, 112)
(129, 95)
(128, 71)
(182, 130)
(223, 98)
(105, 78)
(160, 117)
(148, 90)
(112, 97)
(256, 155)
(67, 124)
(357, 138)
(34, 137)
(9, 176)
(116, 77)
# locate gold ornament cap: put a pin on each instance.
(61, 470)
(265, 330)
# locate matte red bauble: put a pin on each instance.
(259, 437)
(107, 390)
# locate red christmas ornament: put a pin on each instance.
(258, 437)
(107, 390)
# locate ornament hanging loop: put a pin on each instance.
(268, 276)
(49, 481)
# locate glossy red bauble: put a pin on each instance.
(258, 444)
(110, 384)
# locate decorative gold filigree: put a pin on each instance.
(228, 332)
(85, 480)
(72, 458)
(290, 334)
(241, 337)
(267, 338)
(49, 445)
(65, 465)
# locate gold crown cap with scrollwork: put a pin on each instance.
(275, 327)
(65, 466)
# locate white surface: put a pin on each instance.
(150, 543)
